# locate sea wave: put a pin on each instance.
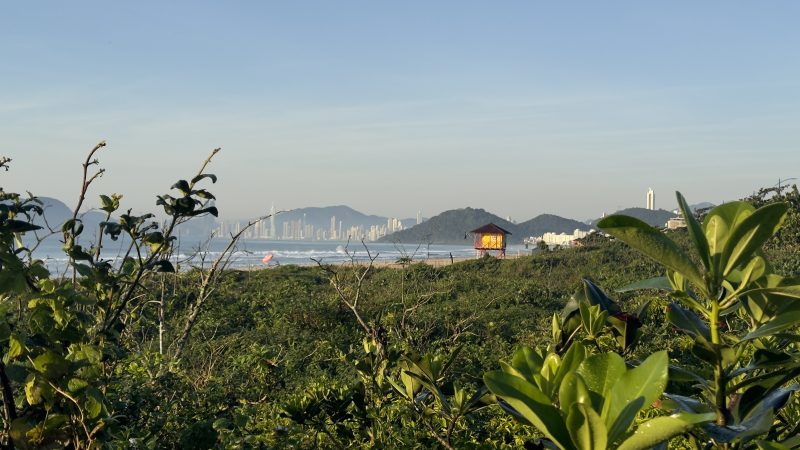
(251, 253)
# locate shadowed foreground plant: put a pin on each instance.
(738, 312)
(60, 339)
(582, 402)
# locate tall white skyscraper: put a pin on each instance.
(651, 199)
(419, 217)
(273, 232)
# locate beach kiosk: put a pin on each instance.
(490, 238)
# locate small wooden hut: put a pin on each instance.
(490, 238)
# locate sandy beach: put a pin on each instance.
(435, 262)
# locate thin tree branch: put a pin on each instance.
(208, 281)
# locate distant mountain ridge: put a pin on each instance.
(451, 227)
(57, 212)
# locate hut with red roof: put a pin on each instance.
(490, 238)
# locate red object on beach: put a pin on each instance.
(267, 258)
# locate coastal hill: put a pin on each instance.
(450, 227)
(57, 212)
(545, 223)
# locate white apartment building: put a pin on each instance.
(562, 239)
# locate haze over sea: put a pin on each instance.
(251, 252)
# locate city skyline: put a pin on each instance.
(297, 230)
(520, 108)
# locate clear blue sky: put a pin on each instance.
(520, 107)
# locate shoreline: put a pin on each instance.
(441, 262)
(384, 263)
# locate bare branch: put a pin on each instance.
(207, 284)
(351, 300)
(86, 179)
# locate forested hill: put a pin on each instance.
(450, 227)
(657, 218)
(57, 212)
(545, 223)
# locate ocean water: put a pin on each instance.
(250, 253)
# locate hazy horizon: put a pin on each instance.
(160, 215)
(519, 108)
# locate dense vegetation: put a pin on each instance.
(481, 354)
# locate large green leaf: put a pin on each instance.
(625, 418)
(550, 369)
(51, 364)
(654, 244)
(571, 361)
(773, 297)
(720, 221)
(787, 291)
(16, 346)
(531, 403)
(93, 402)
(684, 375)
(586, 428)
(687, 321)
(527, 362)
(753, 426)
(592, 294)
(661, 429)
(751, 233)
(759, 398)
(37, 390)
(659, 283)
(695, 232)
(647, 380)
(684, 404)
(573, 390)
(754, 269)
(600, 372)
(764, 402)
(780, 322)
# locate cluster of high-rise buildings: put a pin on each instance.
(560, 239)
(300, 230)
